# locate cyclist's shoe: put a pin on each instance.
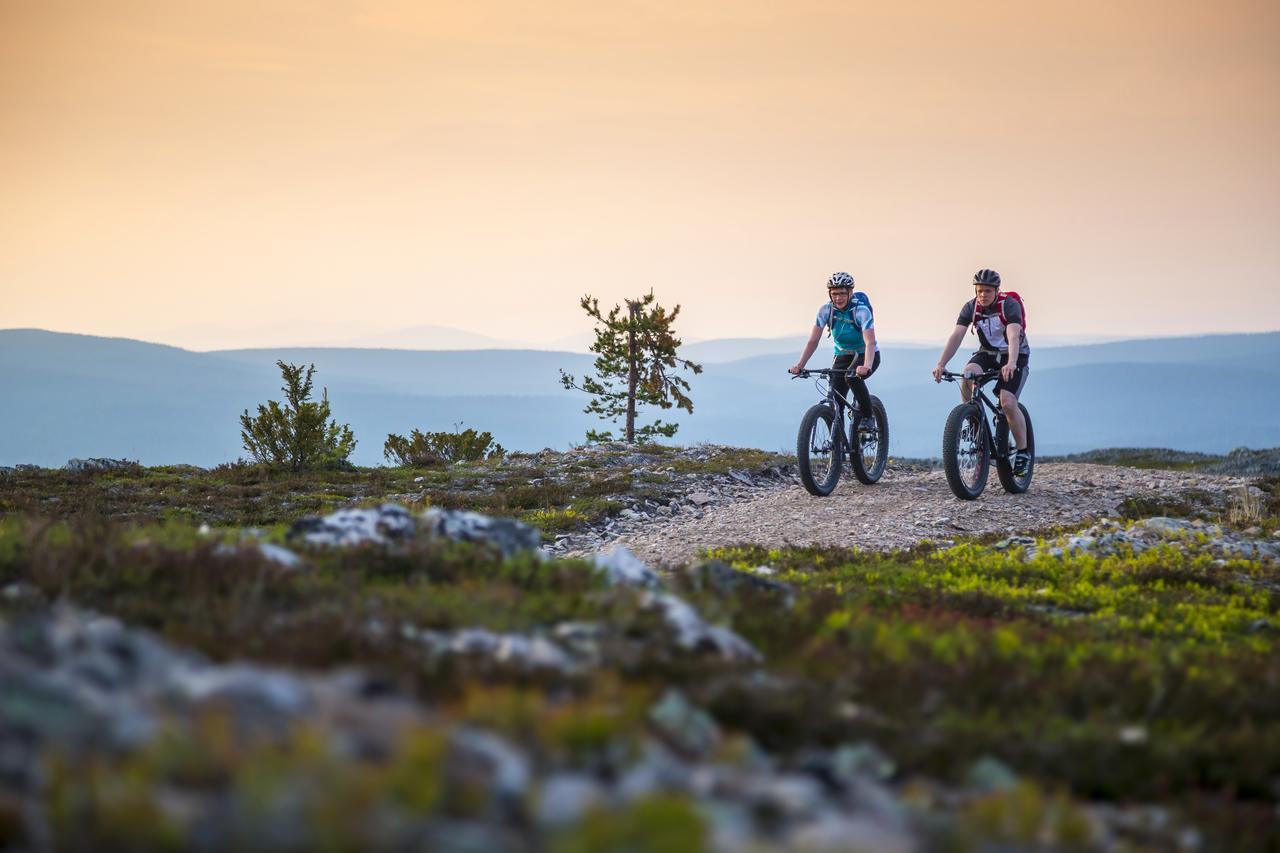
(1021, 462)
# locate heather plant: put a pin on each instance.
(298, 435)
(424, 449)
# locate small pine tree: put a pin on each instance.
(635, 366)
(298, 435)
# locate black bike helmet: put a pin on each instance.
(990, 278)
(839, 279)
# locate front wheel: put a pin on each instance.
(965, 456)
(819, 450)
(1007, 446)
(869, 443)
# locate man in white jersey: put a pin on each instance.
(999, 323)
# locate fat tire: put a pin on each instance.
(870, 476)
(804, 442)
(951, 452)
(1004, 467)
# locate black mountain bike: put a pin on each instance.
(969, 443)
(823, 441)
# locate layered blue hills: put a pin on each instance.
(76, 395)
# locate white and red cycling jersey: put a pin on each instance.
(991, 323)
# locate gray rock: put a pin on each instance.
(1015, 542)
(683, 725)
(788, 796)
(509, 536)
(481, 761)
(520, 652)
(280, 555)
(251, 691)
(854, 760)
(700, 499)
(80, 466)
(277, 554)
(622, 568)
(990, 775)
(22, 595)
(1080, 544)
(692, 633)
(565, 798)
(1166, 526)
(349, 527)
(723, 578)
(47, 707)
(581, 640)
(658, 770)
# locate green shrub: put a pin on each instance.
(434, 448)
(298, 435)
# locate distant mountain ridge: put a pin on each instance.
(78, 395)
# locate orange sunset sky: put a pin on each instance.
(234, 173)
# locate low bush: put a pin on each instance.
(298, 435)
(422, 449)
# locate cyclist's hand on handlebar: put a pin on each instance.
(862, 370)
(795, 370)
(937, 372)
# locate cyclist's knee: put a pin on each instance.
(1008, 402)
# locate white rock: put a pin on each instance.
(623, 568)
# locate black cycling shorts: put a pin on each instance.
(851, 381)
(987, 361)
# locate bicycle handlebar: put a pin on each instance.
(979, 378)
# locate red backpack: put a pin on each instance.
(1000, 298)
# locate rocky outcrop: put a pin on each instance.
(94, 465)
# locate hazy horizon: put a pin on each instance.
(260, 174)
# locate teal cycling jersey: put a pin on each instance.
(847, 325)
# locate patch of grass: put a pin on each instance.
(725, 459)
(1160, 458)
(1051, 664)
(1188, 503)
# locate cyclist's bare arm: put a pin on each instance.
(948, 350)
(809, 347)
(1012, 334)
(868, 338)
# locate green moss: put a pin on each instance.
(655, 824)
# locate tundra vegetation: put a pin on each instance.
(1007, 699)
(298, 434)
(436, 448)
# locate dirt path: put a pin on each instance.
(906, 507)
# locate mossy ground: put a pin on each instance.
(1148, 679)
(552, 494)
(1151, 679)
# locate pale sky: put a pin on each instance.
(234, 172)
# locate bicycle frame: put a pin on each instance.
(837, 402)
(985, 404)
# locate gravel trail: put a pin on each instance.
(908, 506)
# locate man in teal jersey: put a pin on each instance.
(849, 317)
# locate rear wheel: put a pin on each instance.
(1005, 442)
(819, 449)
(869, 443)
(965, 457)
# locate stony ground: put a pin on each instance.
(904, 508)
